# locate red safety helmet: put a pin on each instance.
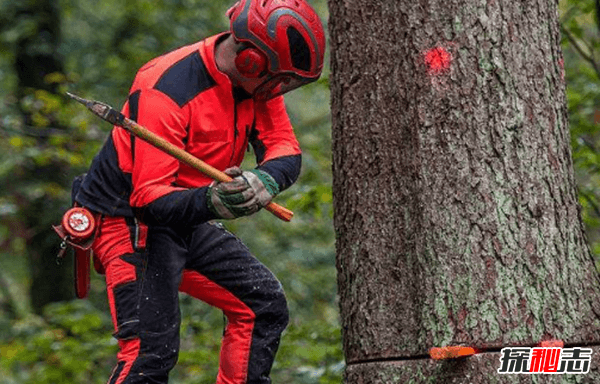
(282, 38)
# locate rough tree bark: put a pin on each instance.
(456, 210)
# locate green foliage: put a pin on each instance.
(310, 354)
(49, 349)
(581, 43)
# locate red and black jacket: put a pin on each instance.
(184, 98)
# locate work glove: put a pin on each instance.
(247, 193)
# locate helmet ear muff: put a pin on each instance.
(250, 62)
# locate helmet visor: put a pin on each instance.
(279, 84)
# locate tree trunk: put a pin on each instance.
(456, 210)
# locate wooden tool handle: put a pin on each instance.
(194, 162)
(281, 212)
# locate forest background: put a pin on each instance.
(94, 50)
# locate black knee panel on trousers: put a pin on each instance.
(127, 299)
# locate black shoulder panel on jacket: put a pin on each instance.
(185, 79)
(134, 107)
(134, 102)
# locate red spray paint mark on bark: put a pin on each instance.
(438, 60)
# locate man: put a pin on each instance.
(212, 99)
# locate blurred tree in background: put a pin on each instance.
(94, 49)
(36, 179)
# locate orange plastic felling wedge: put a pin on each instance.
(451, 352)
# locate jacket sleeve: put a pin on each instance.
(277, 149)
(154, 194)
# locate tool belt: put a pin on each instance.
(78, 229)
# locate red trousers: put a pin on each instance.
(146, 267)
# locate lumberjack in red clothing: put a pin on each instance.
(212, 98)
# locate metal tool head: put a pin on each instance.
(79, 99)
(100, 109)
